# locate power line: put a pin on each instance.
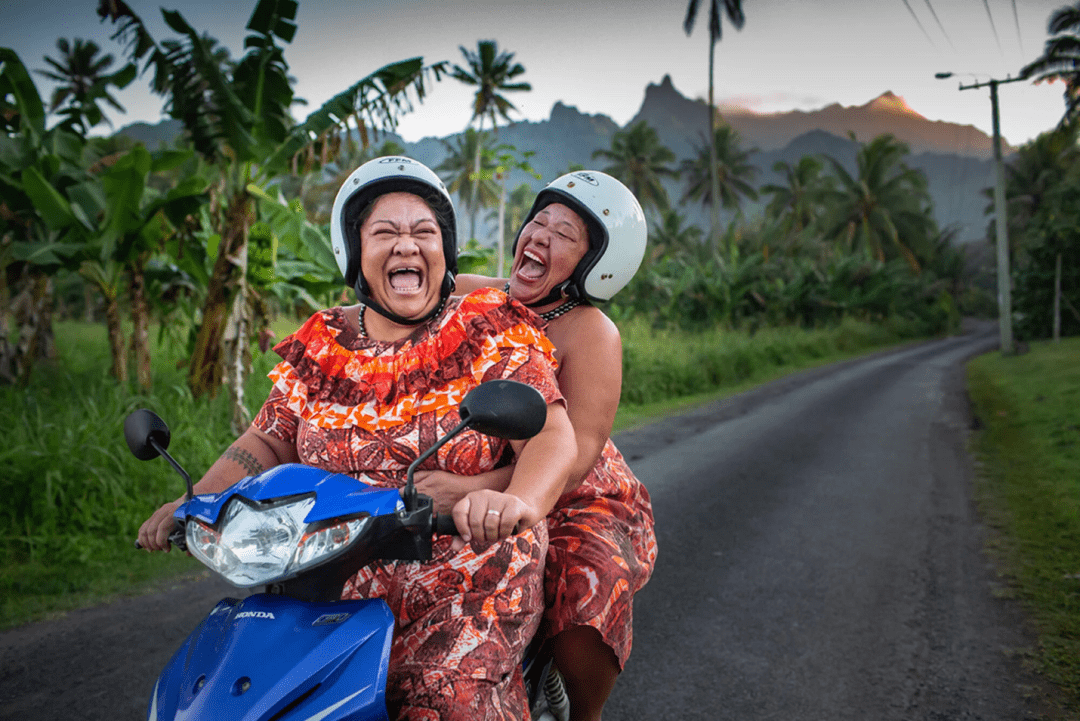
(917, 22)
(993, 27)
(938, 21)
(1016, 17)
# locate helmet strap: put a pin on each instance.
(445, 291)
(562, 291)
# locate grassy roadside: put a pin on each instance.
(1028, 489)
(74, 497)
(667, 373)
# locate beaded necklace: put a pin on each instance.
(363, 329)
(557, 310)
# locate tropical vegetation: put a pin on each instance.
(490, 72)
(1043, 200)
(1061, 57)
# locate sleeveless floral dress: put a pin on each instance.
(601, 551)
(366, 408)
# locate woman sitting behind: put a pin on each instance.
(582, 242)
(362, 390)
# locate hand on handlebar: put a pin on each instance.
(484, 517)
(154, 532)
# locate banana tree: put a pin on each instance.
(237, 117)
(135, 222)
(40, 232)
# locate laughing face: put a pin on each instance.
(401, 255)
(548, 249)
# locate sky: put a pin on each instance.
(599, 56)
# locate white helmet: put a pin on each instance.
(378, 177)
(617, 233)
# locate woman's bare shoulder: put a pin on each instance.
(466, 283)
(588, 325)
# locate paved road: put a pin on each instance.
(819, 559)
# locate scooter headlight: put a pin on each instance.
(260, 544)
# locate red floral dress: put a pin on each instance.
(366, 408)
(601, 551)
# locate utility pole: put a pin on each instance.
(1004, 279)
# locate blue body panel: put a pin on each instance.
(330, 656)
(335, 494)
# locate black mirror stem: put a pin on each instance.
(183, 474)
(408, 493)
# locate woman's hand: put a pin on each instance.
(446, 489)
(484, 517)
(154, 532)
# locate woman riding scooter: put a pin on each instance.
(362, 389)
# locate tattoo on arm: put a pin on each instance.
(243, 458)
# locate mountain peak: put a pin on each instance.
(890, 102)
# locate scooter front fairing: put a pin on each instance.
(272, 657)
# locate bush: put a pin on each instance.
(660, 364)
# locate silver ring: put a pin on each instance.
(494, 513)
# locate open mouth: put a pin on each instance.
(405, 280)
(532, 266)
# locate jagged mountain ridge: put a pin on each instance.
(955, 158)
(681, 122)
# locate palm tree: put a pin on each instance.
(490, 71)
(474, 184)
(640, 161)
(733, 9)
(82, 81)
(797, 201)
(732, 174)
(885, 208)
(1061, 57)
(1040, 197)
(1032, 176)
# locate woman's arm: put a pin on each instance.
(539, 476)
(253, 452)
(590, 378)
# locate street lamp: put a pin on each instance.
(1004, 283)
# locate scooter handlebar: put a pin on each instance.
(443, 525)
(176, 538)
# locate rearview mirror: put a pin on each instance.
(504, 409)
(142, 430)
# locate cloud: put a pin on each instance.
(770, 103)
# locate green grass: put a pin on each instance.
(74, 497)
(1029, 490)
(665, 372)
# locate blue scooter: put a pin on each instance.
(295, 651)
